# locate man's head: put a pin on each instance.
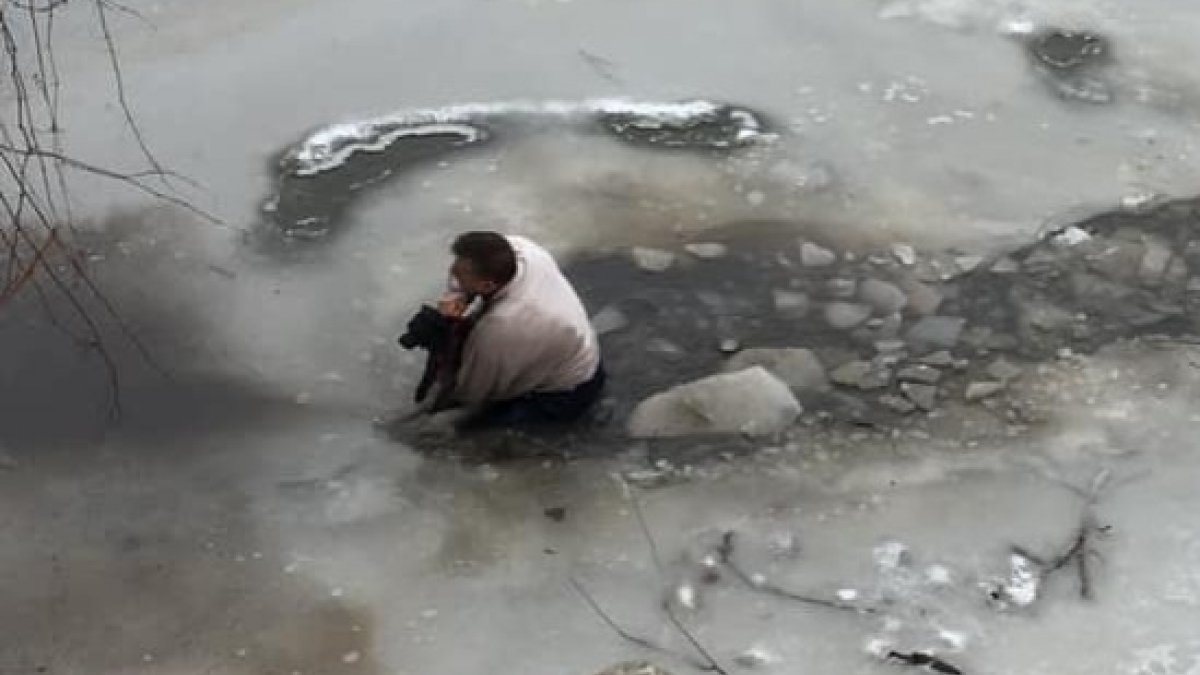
(484, 262)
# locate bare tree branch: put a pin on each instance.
(55, 127)
(126, 9)
(40, 79)
(95, 341)
(49, 85)
(14, 286)
(119, 82)
(132, 179)
(35, 196)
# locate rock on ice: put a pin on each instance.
(653, 259)
(751, 401)
(799, 369)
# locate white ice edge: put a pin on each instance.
(329, 147)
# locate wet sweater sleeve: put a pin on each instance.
(482, 374)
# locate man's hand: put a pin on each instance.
(452, 305)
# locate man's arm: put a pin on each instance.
(485, 362)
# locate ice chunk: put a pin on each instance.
(800, 369)
(752, 401)
(685, 596)
(812, 255)
(938, 575)
(878, 647)
(609, 320)
(707, 250)
(653, 259)
(1071, 236)
(892, 555)
(1021, 588)
(755, 657)
(905, 254)
(953, 639)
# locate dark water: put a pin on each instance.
(1135, 276)
(1078, 298)
(1048, 297)
(1073, 64)
(315, 206)
(1025, 308)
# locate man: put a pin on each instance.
(532, 356)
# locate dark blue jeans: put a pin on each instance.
(540, 408)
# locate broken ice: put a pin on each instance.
(1021, 588)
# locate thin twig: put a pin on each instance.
(12, 264)
(119, 82)
(600, 65)
(1080, 549)
(95, 341)
(14, 286)
(52, 316)
(25, 118)
(1078, 553)
(126, 9)
(47, 9)
(652, 545)
(43, 87)
(636, 508)
(1085, 575)
(925, 660)
(55, 128)
(96, 338)
(710, 662)
(39, 205)
(131, 179)
(638, 640)
(725, 554)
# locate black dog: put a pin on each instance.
(443, 337)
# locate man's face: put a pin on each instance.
(469, 281)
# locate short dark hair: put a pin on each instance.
(490, 254)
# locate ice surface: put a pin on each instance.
(404, 563)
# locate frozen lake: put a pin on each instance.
(247, 518)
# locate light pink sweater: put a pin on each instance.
(534, 337)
